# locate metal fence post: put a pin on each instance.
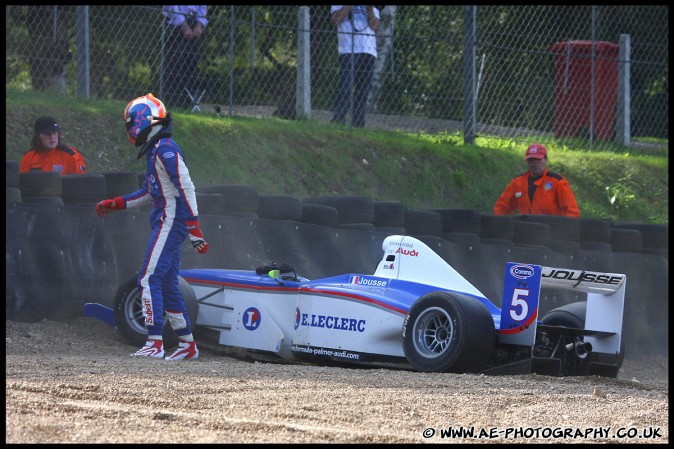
(623, 115)
(83, 68)
(303, 95)
(469, 100)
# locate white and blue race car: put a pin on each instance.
(415, 309)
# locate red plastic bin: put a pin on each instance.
(574, 84)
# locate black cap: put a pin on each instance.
(46, 123)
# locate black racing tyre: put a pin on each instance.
(392, 230)
(12, 195)
(352, 209)
(280, 207)
(626, 240)
(531, 233)
(83, 188)
(448, 332)
(573, 315)
(655, 236)
(236, 197)
(40, 183)
(561, 226)
(565, 246)
(240, 214)
(595, 230)
(497, 227)
(129, 315)
(12, 174)
(210, 203)
(120, 183)
(319, 214)
(50, 200)
(388, 213)
(424, 222)
(460, 220)
(356, 226)
(570, 315)
(461, 237)
(596, 246)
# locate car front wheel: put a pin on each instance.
(448, 332)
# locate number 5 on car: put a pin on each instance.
(519, 307)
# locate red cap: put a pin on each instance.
(536, 151)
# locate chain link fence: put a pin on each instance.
(581, 73)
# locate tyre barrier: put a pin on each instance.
(84, 188)
(34, 184)
(237, 197)
(319, 214)
(12, 174)
(460, 220)
(501, 227)
(351, 209)
(280, 207)
(120, 183)
(423, 222)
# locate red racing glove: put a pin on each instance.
(196, 237)
(106, 206)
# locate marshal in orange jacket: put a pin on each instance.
(63, 159)
(551, 195)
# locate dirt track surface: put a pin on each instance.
(76, 383)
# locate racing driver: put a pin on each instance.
(174, 216)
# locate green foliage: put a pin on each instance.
(308, 158)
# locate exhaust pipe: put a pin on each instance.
(582, 348)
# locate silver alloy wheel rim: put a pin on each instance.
(133, 311)
(433, 332)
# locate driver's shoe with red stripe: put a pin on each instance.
(152, 348)
(186, 350)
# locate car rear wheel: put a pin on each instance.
(129, 313)
(573, 315)
(448, 332)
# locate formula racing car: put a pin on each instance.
(415, 309)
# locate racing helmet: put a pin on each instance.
(140, 116)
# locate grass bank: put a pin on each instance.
(308, 158)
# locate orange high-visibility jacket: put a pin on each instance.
(62, 159)
(552, 195)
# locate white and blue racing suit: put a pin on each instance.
(170, 189)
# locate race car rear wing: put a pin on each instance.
(520, 303)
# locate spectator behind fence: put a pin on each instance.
(357, 48)
(538, 191)
(47, 153)
(182, 52)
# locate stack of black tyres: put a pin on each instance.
(655, 237)
(353, 212)
(13, 193)
(120, 183)
(595, 235)
(425, 225)
(210, 203)
(531, 234)
(238, 200)
(460, 225)
(389, 217)
(319, 214)
(41, 187)
(280, 207)
(564, 231)
(625, 240)
(83, 190)
(497, 230)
